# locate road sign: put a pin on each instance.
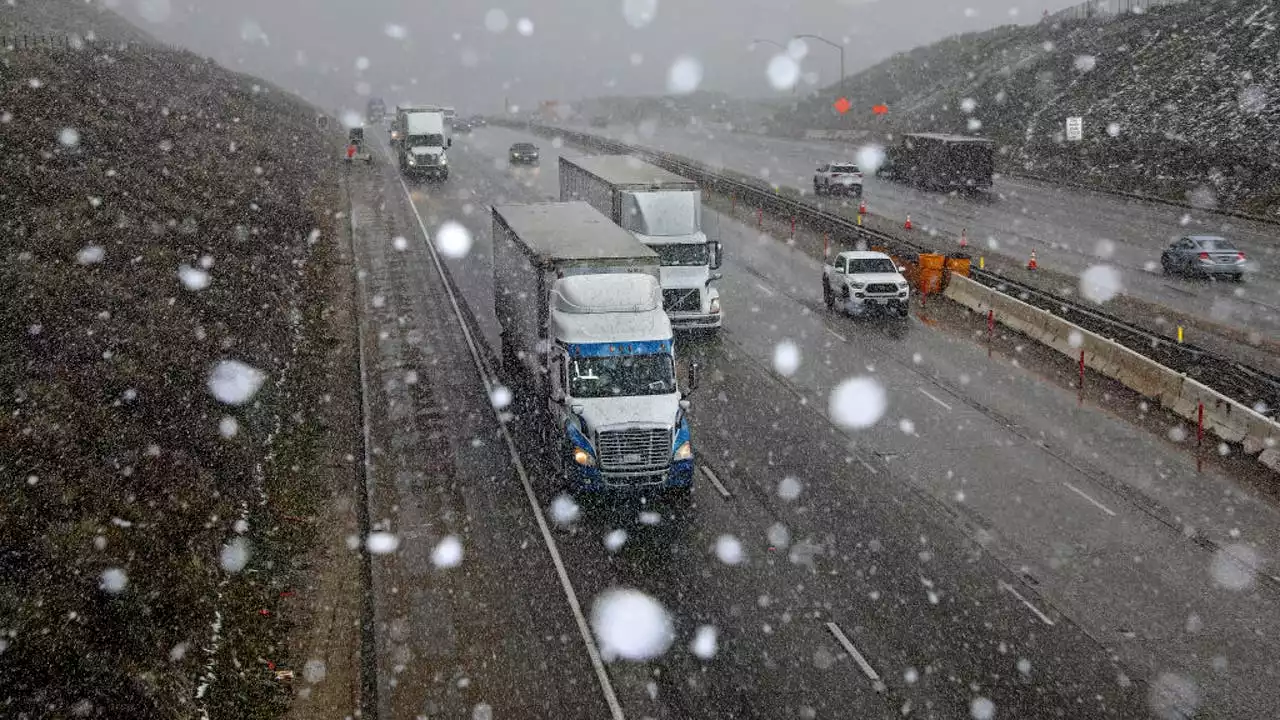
(842, 105)
(880, 109)
(1075, 129)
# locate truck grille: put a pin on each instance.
(882, 288)
(686, 300)
(634, 449)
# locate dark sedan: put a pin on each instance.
(524, 152)
(1203, 256)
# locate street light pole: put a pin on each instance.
(837, 47)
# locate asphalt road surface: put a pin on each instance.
(987, 541)
(1070, 230)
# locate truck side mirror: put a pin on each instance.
(717, 255)
(450, 142)
(695, 376)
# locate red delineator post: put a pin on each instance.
(991, 329)
(733, 204)
(1199, 436)
(793, 227)
(759, 217)
(826, 245)
(1080, 395)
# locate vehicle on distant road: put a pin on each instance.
(376, 110)
(523, 153)
(462, 126)
(860, 281)
(1203, 256)
(938, 161)
(600, 121)
(588, 350)
(832, 178)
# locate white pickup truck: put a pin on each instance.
(833, 178)
(859, 281)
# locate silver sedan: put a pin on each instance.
(1204, 256)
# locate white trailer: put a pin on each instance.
(664, 211)
(587, 348)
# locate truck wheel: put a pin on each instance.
(817, 189)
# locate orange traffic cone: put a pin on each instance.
(862, 207)
(907, 224)
(1031, 264)
(964, 238)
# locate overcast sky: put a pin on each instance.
(473, 55)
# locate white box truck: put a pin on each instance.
(424, 144)
(664, 211)
(587, 349)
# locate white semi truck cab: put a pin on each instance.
(664, 211)
(588, 351)
(423, 143)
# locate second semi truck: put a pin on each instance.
(664, 211)
(587, 348)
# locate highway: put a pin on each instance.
(988, 540)
(1070, 230)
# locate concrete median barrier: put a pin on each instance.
(1224, 417)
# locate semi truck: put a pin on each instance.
(588, 351)
(422, 143)
(663, 211)
(939, 161)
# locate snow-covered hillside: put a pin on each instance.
(1182, 101)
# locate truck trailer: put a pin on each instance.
(663, 211)
(939, 161)
(587, 349)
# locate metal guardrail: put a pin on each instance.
(1247, 385)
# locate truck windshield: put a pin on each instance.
(663, 213)
(681, 254)
(871, 265)
(622, 376)
(432, 140)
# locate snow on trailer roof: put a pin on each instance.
(944, 137)
(628, 170)
(571, 231)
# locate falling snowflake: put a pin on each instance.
(398, 32)
(968, 105)
(614, 541)
(228, 427)
(704, 642)
(495, 20)
(69, 137)
(1100, 283)
(729, 550)
(786, 358)
(783, 72)
(630, 625)
(90, 255)
(382, 543)
(684, 76)
(564, 511)
(857, 403)
(524, 26)
(789, 488)
(234, 383)
(982, 709)
(193, 278)
(447, 553)
(1233, 566)
(639, 13)
(234, 555)
(453, 239)
(1085, 63)
(113, 580)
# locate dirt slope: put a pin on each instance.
(159, 215)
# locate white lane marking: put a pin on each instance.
(364, 377)
(486, 377)
(1084, 495)
(724, 491)
(767, 290)
(867, 465)
(867, 670)
(1043, 618)
(838, 335)
(931, 397)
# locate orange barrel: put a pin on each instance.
(958, 264)
(929, 281)
(932, 261)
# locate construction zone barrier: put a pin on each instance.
(1224, 417)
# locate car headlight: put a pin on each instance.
(857, 285)
(582, 457)
(444, 159)
(684, 452)
(715, 304)
(903, 286)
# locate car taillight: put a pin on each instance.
(1204, 256)
(1239, 256)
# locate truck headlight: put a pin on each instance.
(412, 159)
(582, 457)
(684, 452)
(444, 159)
(715, 304)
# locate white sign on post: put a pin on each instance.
(1075, 129)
